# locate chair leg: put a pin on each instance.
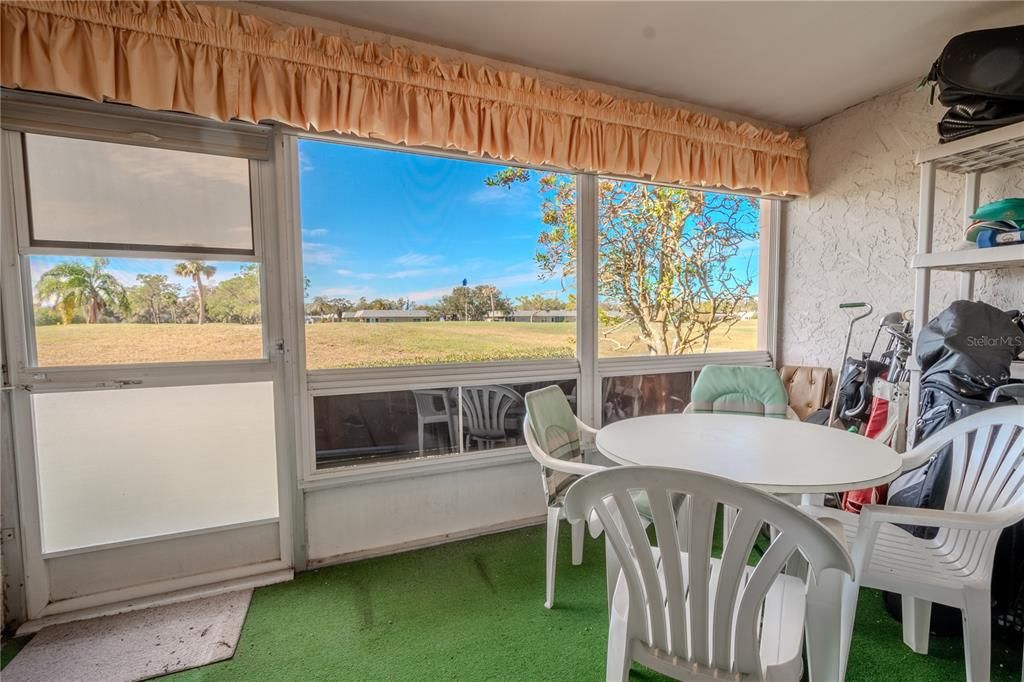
(554, 514)
(577, 543)
(824, 626)
(977, 616)
(917, 619)
(619, 659)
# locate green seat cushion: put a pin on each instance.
(740, 390)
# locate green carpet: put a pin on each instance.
(474, 611)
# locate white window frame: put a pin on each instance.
(261, 186)
(54, 115)
(587, 369)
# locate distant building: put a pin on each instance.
(533, 316)
(386, 316)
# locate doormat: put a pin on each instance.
(136, 645)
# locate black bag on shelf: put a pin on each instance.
(980, 76)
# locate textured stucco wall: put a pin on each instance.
(854, 238)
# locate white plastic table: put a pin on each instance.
(774, 455)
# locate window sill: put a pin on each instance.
(413, 468)
(410, 377)
(665, 364)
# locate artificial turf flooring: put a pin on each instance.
(474, 610)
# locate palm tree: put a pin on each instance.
(76, 286)
(321, 307)
(196, 270)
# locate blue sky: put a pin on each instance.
(385, 224)
(377, 223)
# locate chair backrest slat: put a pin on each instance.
(640, 547)
(748, 634)
(680, 605)
(702, 520)
(742, 536)
(608, 514)
(663, 513)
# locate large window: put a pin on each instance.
(100, 216)
(429, 422)
(412, 259)
(678, 270)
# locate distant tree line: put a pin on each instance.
(463, 303)
(85, 292)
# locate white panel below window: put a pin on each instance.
(121, 465)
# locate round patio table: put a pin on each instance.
(774, 455)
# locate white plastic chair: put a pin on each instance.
(429, 411)
(692, 617)
(484, 413)
(986, 495)
(557, 474)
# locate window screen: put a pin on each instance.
(115, 196)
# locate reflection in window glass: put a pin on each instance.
(646, 394)
(180, 459)
(394, 425)
(492, 415)
(678, 270)
(414, 259)
(102, 194)
(103, 311)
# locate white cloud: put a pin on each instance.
(413, 258)
(349, 292)
(428, 295)
(319, 253)
(305, 163)
(516, 196)
(395, 274)
(314, 232)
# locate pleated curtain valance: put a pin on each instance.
(219, 63)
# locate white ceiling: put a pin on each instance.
(790, 63)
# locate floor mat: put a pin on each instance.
(134, 646)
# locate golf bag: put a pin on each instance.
(965, 353)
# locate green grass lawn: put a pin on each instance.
(474, 610)
(339, 344)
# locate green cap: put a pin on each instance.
(1003, 209)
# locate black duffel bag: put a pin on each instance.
(980, 76)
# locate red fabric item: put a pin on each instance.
(854, 500)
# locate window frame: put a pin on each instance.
(261, 144)
(393, 464)
(586, 368)
(85, 121)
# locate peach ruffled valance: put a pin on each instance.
(219, 63)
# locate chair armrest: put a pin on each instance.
(940, 518)
(584, 428)
(553, 463)
(579, 468)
